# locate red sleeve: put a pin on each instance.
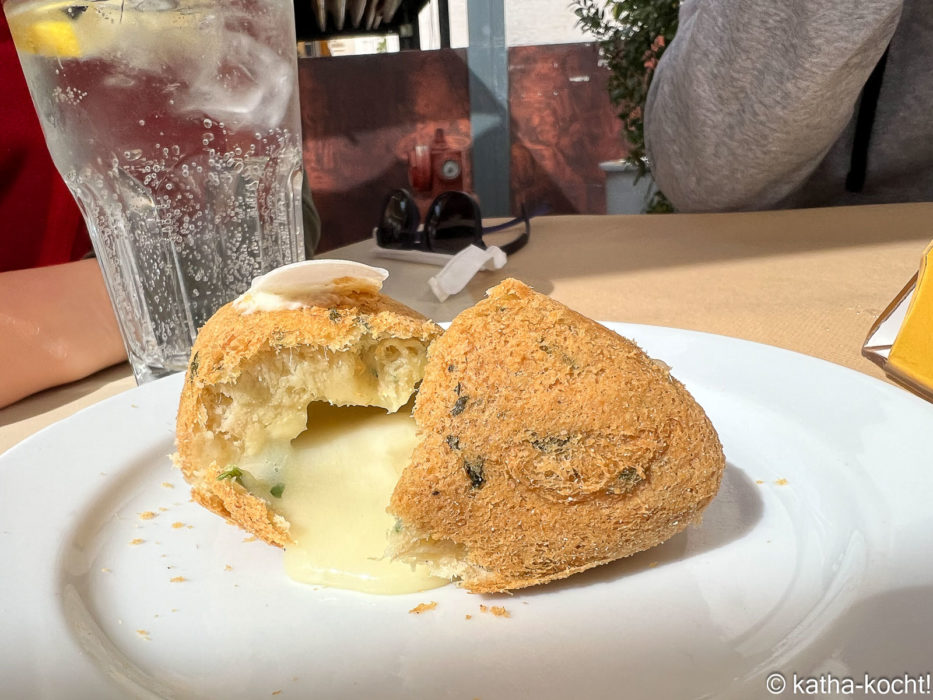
(40, 224)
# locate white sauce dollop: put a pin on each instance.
(309, 283)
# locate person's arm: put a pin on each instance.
(56, 326)
(751, 94)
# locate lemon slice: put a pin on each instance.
(47, 37)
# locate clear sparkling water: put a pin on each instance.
(175, 124)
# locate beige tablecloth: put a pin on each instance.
(809, 280)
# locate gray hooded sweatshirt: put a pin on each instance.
(754, 105)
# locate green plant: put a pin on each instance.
(631, 36)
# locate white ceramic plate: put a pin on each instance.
(814, 558)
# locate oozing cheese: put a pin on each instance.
(336, 485)
(912, 352)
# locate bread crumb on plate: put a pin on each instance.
(496, 610)
(423, 607)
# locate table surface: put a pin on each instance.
(812, 281)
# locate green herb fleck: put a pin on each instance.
(193, 370)
(550, 443)
(334, 315)
(230, 473)
(453, 442)
(451, 368)
(459, 406)
(277, 490)
(398, 526)
(629, 475)
(474, 469)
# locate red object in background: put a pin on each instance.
(40, 224)
(357, 142)
(435, 169)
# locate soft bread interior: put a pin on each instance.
(252, 378)
(253, 419)
(443, 557)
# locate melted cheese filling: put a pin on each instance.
(336, 483)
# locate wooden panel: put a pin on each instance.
(563, 126)
(360, 117)
(362, 114)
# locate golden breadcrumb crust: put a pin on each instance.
(234, 347)
(548, 444)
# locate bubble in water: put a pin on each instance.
(208, 123)
(207, 23)
(142, 122)
(134, 154)
(207, 138)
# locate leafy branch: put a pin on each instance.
(631, 36)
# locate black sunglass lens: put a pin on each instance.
(454, 222)
(399, 220)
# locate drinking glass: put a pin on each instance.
(175, 124)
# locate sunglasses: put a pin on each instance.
(453, 222)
